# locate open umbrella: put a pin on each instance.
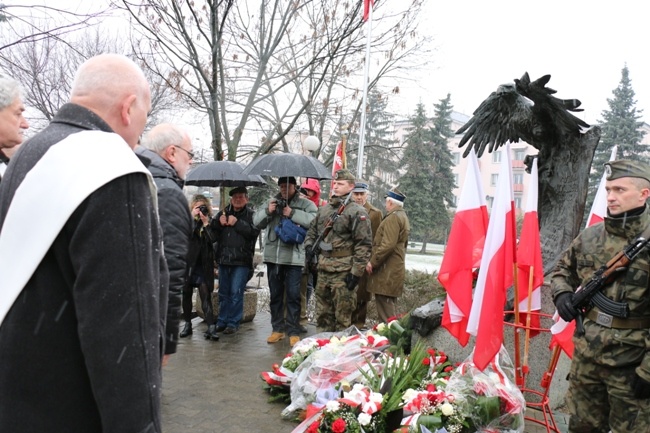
(222, 173)
(286, 165)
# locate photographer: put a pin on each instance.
(200, 263)
(284, 261)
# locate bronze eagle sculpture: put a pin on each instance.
(525, 110)
(528, 111)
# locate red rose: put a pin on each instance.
(426, 361)
(339, 425)
(313, 427)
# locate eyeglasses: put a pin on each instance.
(190, 154)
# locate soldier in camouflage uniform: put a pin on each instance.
(343, 257)
(610, 372)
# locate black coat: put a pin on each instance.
(236, 244)
(176, 223)
(81, 348)
(200, 258)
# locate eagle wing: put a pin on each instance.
(500, 118)
(525, 111)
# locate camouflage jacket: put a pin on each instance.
(595, 246)
(350, 238)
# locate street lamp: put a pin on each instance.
(311, 143)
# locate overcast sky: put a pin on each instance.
(583, 44)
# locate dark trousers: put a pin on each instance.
(206, 300)
(284, 282)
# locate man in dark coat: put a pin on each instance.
(235, 235)
(169, 150)
(81, 346)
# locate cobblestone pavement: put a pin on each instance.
(215, 386)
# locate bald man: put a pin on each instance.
(84, 298)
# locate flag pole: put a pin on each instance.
(524, 368)
(366, 70)
(518, 370)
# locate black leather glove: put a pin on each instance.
(351, 281)
(641, 388)
(564, 306)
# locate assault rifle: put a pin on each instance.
(312, 254)
(590, 294)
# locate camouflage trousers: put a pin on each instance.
(334, 302)
(600, 399)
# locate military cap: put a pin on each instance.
(239, 189)
(290, 179)
(395, 194)
(627, 168)
(344, 174)
(360, 187)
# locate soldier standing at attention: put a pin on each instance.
(360, 195)
(343, 256)
(609, 387)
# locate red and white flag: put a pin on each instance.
(599, 206)
(463, 252)
(495, 273)
(561, 331)
(529, 257)
(339, 160)
(367, 4)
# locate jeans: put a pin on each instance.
(232, 282)
(284, 281)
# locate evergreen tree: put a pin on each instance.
(620, 126)
(429, 181)
(380, 149)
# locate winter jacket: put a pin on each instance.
(81, 348)
(594, 247)
(276, 251)
(389, 254)
(176, 223)
(350, 237)
(236, 244)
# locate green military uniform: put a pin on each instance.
(349, 244)
(363, 296)
(607, 360)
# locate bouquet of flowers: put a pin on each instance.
(397, 331)
(488, 399)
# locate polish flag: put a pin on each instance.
(495, 274)
(599, 206)
(367, 4)
(463, 252)
(561, 331)
(529, 256)
(339, 161)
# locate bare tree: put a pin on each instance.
(46, 67)
(272, 64)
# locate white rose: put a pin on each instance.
(409, 394)
(447, 409)
(376, 397)
(381, 327)
(364, 418)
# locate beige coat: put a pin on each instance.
(388, 255)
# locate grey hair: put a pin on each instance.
(162, 136)
(395, 202)
(9, 91)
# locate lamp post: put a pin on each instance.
(311, 143)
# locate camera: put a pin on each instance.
(280, 204)
(204, 210)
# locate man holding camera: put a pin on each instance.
(284, 260)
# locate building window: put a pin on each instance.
(517, 202)
(496, 156)
(489, 200)
(520, 154)
(456, 157)
(518, 179)
(456, 180)
(494, 178)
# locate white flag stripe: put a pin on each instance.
(474, 197)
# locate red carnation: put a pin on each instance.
(339, 425)
(313, 427)
(426, 361)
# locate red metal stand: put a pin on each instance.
(521, 372)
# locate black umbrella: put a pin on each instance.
(286, 165)
(222, 173)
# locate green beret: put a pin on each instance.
(344, 174)
(627, 168)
